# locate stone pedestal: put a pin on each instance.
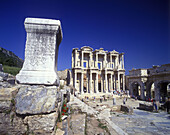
(41, 52)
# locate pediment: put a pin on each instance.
(114, 52)
(86, 48)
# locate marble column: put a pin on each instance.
(105, 61)
(123, 61)
(90, 63)
(111, 61)
(106, 85)
(102, 89)
(157, 91)
(75, 58)
(87, 85)
(91, 82)
(118, 86)
(111, 82)
(75, 78)
(82, 57)
(114, 82)
(97, 83)
(123, 82)
(72, 59)
(142, 91)
(96, 60)
(82, 81)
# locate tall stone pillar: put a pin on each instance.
(91, 82)
(41, 53)
(75, 58)
(123, 82)
(82, 81)
(97, 83)
(117, 61)
(90, 63)
(123, 61)
(111, 61)
(118, 86)
(102, 89)
(72, 61)
(111, 82)
(157, 91)
(106, 81)
(96, 60)
(114, 82)
(82, 57)
(105, 61)
(75, 78)
(142, 91)
(87, 85)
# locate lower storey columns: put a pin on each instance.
(106, 86)
(75, 79)
(118, 85)
(82, 81)
(123, 82)
(90, 82)
(96, 83)
(111, 82)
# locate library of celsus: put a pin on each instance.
(97, 71)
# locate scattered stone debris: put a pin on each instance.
(126, 109)
(146, 107)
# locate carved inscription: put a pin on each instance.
(39, 48)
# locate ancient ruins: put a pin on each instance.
(150, 83)
(43, 39)
(97, 71)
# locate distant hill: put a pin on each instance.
(9, 58)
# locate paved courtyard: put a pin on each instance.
(140, 122)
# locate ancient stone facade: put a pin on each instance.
(41, 52)
(150, 83)
(97, 71)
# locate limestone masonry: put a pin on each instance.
(150, 83)
(97, 71)
(41, 52)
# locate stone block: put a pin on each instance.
(5, 106)
(126, 109)
(42, 124)
(41, 52)
(11, 81)
(10, 124)
(8, 93)
(77, 124)
(146, 107)
(36, 100)
(3, 76)
(116, 108)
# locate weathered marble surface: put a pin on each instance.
(36, 100)
(41, 52)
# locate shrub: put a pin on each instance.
(11, 70)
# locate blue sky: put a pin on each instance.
(139, 28)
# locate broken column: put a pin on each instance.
(43, 39)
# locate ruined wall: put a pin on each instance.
(26, 109)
